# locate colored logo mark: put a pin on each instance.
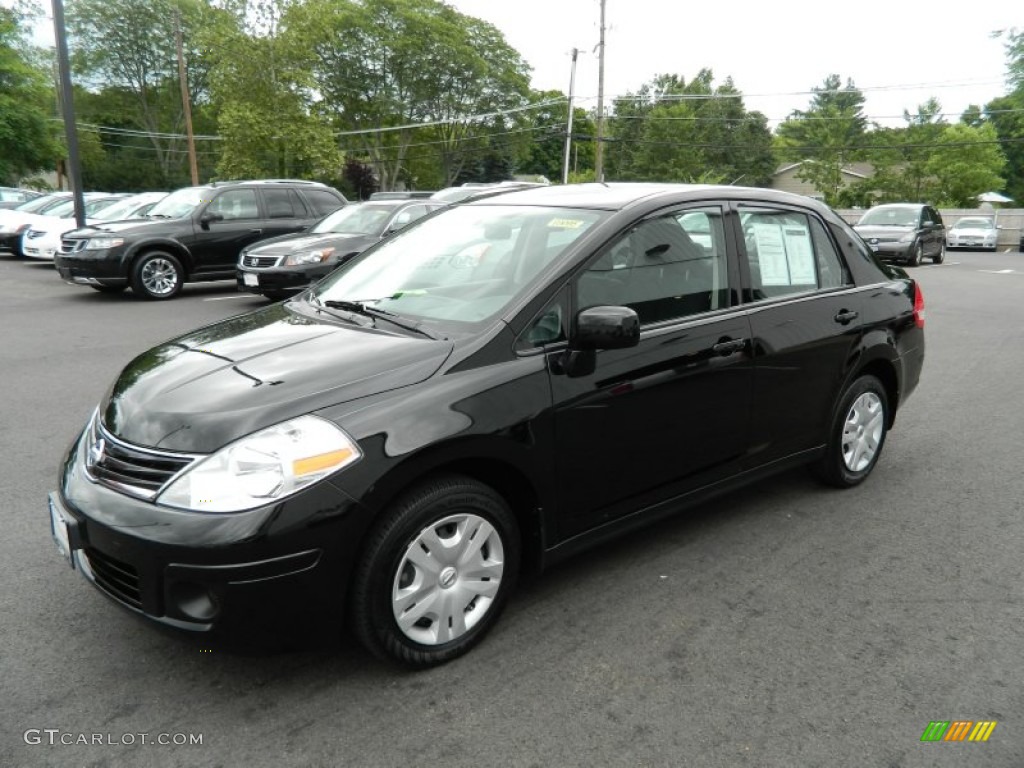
(958, 730)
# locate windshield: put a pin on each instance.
(465, 264)
(39, 203)
(359, 219)
(179, 204)
(974, 224)
(123, 209)
(891, 217)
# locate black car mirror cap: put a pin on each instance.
(606, 327)
(207, 218)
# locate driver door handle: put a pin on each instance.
(729, 346)
(845, 316)
(256, 231)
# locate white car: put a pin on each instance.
(42, 239)
(976, 232)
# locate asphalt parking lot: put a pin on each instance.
(783, 625)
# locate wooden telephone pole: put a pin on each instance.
(599, 149)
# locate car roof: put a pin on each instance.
(618, 195)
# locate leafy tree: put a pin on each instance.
(826, 136)
(545, 148)
(691, 132)
(27, 137)
(1006, 115)
(902, 170)
(261, 80)
(381, 66)
(130, 45)
(966, 162)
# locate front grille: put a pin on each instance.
(68, 245)
(259, 262)
(119, 579)
(138, 471)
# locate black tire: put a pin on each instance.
(108, 288)
(861, 420)
(432, 524)
(916, 255)
(157, 275)
(940, 257)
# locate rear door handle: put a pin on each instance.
(256, 231)
(729, 346)
(845, 316)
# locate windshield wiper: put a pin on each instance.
(360, 308)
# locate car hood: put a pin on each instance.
(129, 226)
(870, 230)
(278, 246)
(198, 392)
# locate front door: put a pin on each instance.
(670, 414)
(236, 223)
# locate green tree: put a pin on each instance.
(693, 131)
(544, 150)
(261, 81)
(1006, 115)
(826, 136)
(27, 137)
(966, 162)
(130, 45)
(382, 67)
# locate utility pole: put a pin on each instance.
(599, 149)
(568, 126)
(186, 102)
(74, 168)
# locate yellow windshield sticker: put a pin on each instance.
(565, 223)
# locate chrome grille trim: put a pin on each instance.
(260, 262)
(131, 469)
(71, 246)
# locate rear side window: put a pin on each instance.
(321, 201)
(283, 204)
(788, 253)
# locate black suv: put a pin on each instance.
(907, 232)
(191, 235)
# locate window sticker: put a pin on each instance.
(565, 223)
(784, 253)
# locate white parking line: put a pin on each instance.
(1000, 271)
(228, 298)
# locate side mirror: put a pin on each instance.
(606, 328)
(207, 218)
(597, 328)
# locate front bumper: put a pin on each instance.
(971, 242)
(280, 278)
(97, 268)
(893, 251)
(280, 566)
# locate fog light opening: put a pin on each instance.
(195, 600)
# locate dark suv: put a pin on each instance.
(907, 232)
(191, 235)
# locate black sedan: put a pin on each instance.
(279, 267)
(501, 386)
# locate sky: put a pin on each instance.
(898, 52)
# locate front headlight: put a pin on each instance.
(101, 243)
(909, 237)
(264, 467)
(308, 257)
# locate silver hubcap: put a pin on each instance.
(862, 432)
(448, 578)
(159, 276)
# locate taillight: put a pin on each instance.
(918, 305)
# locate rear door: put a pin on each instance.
(805, 316)
(284, 212)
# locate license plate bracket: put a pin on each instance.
(250, 279)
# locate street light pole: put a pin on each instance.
(186, 103)
(74, 168)
(568, 126)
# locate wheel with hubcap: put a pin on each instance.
(157, 275)
(916, 256)
(436, 572)
(940, 256)
(857, 434)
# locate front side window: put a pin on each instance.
(235, 204)
(663, 268)
(789, 252)
(464, 265)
